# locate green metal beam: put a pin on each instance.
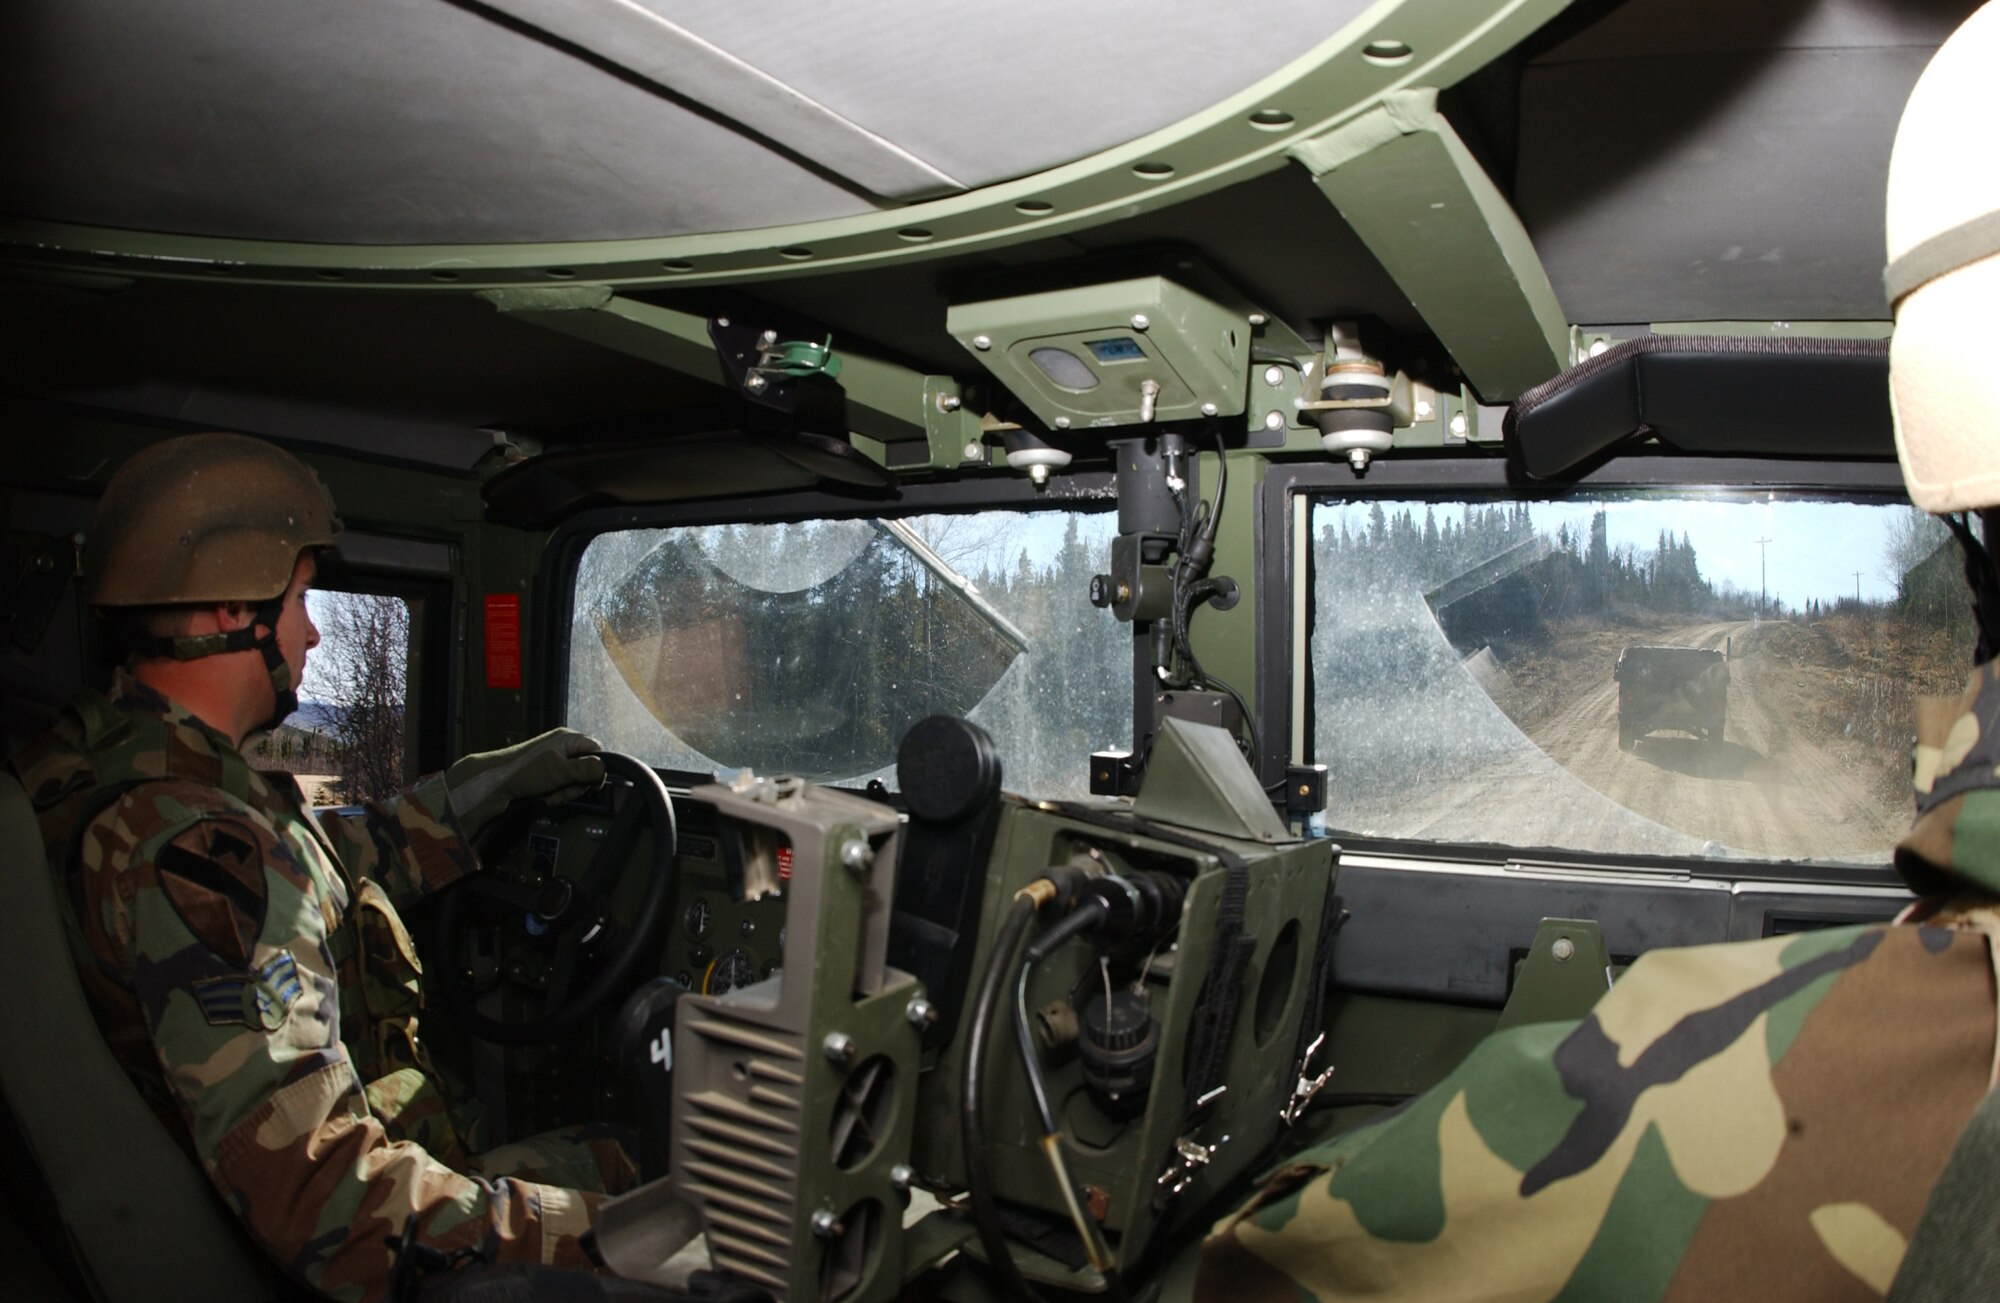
(1436, 222)
(1394, 45)
(886, 403)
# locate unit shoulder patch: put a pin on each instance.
(213, 872)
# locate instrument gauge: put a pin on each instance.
(698, 917)
(735, 968)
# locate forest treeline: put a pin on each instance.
(1570, 572)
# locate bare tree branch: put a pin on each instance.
(361, 669)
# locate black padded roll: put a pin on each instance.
(946, 768)
(1781, 396)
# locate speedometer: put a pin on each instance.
(734, 969)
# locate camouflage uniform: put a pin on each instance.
(249, 969)
(1760, 1119)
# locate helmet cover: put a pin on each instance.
(1943, 279)
(205, 518)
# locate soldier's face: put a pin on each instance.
(296, 634)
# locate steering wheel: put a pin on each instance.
(568, 920)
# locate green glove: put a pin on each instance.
(556, 765)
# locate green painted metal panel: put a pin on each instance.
(1411, 190)
(886, 402)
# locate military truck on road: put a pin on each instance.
(1672, 687)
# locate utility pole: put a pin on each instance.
(1763, 602)
(1857, 590)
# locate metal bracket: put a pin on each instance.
(1307, 1087)
(764, 368)
(1305, 790)
(1114, 773)
(1564, 972)
(1190, 1157)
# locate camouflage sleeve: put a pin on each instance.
(1761, 1119)
(226, 935)
(409, 843)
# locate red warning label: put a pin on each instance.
(784, 864)
(503, 640)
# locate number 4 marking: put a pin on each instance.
(662, 1052)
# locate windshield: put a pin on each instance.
(810, 648)
(1642, 674)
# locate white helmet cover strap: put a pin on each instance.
(1942, 254)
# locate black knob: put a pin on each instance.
(1119, 1043)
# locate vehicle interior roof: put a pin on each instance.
(168, 172)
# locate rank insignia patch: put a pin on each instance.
(258, 1000)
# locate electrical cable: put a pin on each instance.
(972, 1130)
(1186, 596)
(1082, 919)
(1265, 353)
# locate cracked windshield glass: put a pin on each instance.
(1635, 675)
(810, 648)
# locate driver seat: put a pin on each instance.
(141, 1219)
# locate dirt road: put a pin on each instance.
(1769, 789)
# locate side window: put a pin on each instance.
(349, 741)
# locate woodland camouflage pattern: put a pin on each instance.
(250, 971)
(1761, 1119)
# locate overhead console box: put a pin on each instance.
(1133, 343)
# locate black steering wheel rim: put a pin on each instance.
(615, 970)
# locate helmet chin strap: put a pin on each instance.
(285, 699)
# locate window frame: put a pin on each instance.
(1093, 491)
(1285, 613)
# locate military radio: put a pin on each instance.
(1040, 1035)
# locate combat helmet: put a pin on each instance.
(1943, 286)
(205, 518)
(208, 518)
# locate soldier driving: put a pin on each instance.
(1767, 1119)
(245, 959)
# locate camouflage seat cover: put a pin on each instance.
(1755, 1120)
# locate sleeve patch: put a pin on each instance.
(214, 875)
(259, 1000)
